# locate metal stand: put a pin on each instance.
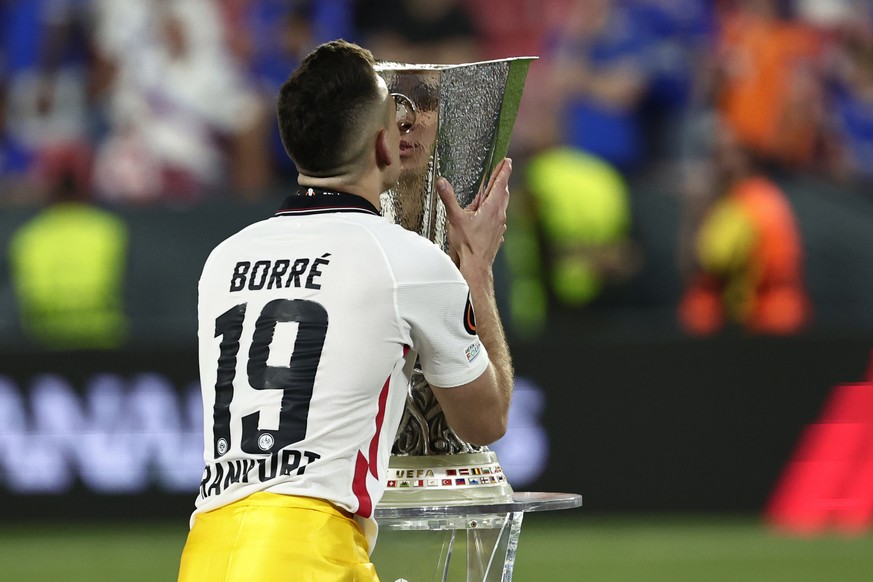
(427, 549)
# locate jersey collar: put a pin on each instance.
(316, 201)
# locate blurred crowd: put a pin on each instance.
(172, 101)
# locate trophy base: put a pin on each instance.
(459, 479)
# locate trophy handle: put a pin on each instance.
(423, 427)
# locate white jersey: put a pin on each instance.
(309, 326)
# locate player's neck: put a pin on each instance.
(367, 189)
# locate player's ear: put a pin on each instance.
(384, 155)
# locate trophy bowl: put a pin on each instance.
(464, 119)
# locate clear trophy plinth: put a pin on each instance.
(471, 542)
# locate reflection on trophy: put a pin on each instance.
(464, 117)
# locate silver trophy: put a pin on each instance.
(465, 114)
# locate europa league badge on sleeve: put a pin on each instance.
(464, 115)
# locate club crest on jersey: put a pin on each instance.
(469, 317)
(265, 441)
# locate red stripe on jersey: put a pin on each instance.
(359, 487)
(362, 466)
(380, 418)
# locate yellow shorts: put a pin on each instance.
(276, 538)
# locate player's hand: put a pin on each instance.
(475, 233)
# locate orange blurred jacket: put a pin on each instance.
(750, 258)
(770, 94)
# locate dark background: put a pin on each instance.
(668, 426)
(639, 416)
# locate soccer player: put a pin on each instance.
(310, 323)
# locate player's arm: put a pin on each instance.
(478, 411)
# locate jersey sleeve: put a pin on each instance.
(442, 327)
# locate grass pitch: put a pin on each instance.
(577, 548)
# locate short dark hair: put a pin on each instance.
(321, 105)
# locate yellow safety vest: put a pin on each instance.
(68, 266)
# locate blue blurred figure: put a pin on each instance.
(44, 88)
(601, 71)
(279, 33)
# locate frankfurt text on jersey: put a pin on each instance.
(219, 475)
